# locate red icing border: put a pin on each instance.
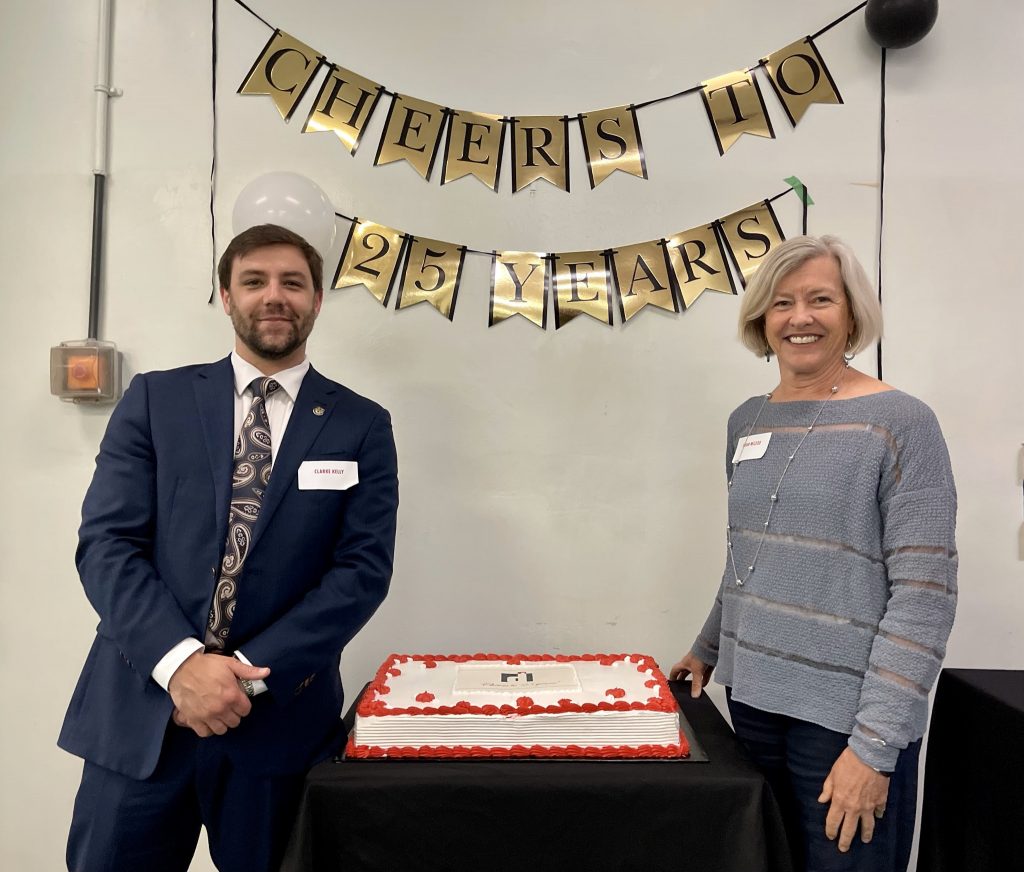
(428, 752)
(372, 706)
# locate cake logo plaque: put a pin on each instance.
(561, 677)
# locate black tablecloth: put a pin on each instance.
(973, 814)
(535, 815)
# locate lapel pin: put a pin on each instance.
(318, 410)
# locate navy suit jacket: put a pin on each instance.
(154, 523)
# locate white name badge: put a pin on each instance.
(752, 447)
(328, 474)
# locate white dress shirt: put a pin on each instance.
(279, 407)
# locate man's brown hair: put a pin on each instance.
(261, 236)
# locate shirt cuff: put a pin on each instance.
(704, 651)
(876, 753)
(258, 684)
(169, 663)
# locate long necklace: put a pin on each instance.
(774, 499)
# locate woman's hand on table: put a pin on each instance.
(856, 794)
(697, 669)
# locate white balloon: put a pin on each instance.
(291, 201)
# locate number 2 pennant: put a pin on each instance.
(370, 258)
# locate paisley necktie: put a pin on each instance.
(251, 477)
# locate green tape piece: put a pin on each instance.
(801, 191)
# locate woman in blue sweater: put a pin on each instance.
(839, 588)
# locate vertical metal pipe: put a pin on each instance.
(98, 205)
(102, 89)
(103, 94)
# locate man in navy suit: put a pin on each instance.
(202, 708)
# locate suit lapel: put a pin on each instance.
(214, 387)
(313, 406)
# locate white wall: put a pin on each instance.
(559, 492)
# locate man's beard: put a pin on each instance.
(275, 346)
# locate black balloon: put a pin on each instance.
(899, 23)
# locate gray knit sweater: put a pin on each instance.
(844, 620)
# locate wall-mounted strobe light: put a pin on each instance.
(89, 370)
(85, 371)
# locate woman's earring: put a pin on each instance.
(767, 353)
(849, 355)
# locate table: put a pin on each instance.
(973, 816)
(538, 815)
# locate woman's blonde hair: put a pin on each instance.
(791, 255)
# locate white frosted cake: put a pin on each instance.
(522, 705)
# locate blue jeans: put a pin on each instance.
(796, 757)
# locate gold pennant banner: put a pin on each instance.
(750, 234)
(670, 273)
(412, 133)
(611, 140)
(735, 106)
(473, 148)
(642, 279)
(799, 78)
(284, 71)
(519, 284)
(698, 264)
(431, 273)
(582, 286)
(540, 150)
(344, 106)
(370, 258)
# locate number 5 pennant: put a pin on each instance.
(431, 273)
